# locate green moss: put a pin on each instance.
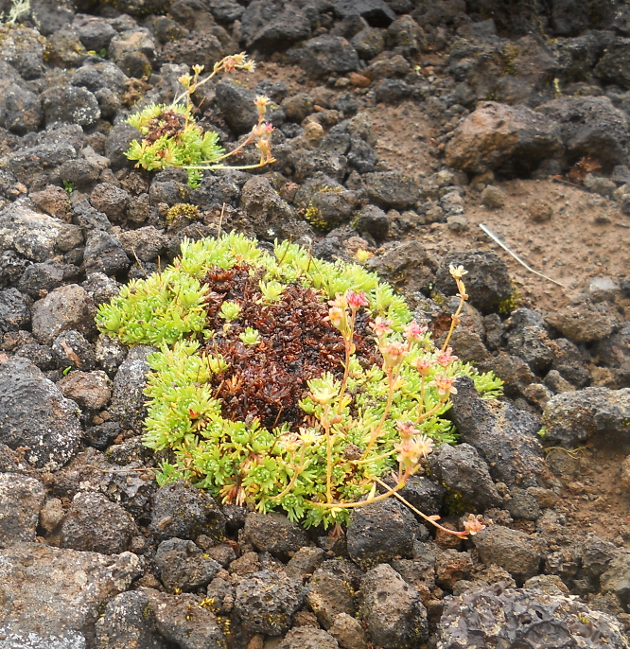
(510, 303)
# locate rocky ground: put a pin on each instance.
(401, 127)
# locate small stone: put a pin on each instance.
(348, 632)
(493, 197)
(625, 474)
(183, 565)
(267, 601)
(96, 524)
(457, 223)
(21, 498)
(540, 210)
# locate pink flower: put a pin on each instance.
(394, 353)
(413, 331)
(380, 326)
(444, 385)
(424, 366)
(446, 358)
(406, 428)
(336, 316)
(473, 524)
(355, 300)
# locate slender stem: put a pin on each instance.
(391, 492)
(326, 425)
(390, 397)
(417, 511)
(296, 475)
(455, 316)
(348, 341)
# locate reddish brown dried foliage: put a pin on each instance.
(266, 380)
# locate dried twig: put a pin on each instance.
(520, 261)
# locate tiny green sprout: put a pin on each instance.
(67, 370)
(68, 186)
(271, 291)
(362, 255)
(230, 311)
(250, 336)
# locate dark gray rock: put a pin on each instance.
(67, 307)
(49, 603)
(236, 102)
(23, 49)
(510, 549)
(104, 254)
(20, 110)
(29, 233)
(590, 126)
(308, 637)
(266, 602)
(118, 141)
(376, 12)
(226, 11)
(523, 505)
(309, 163)
(96, 524)
(424, 494)
(46, 423)
(568, 361)
(183, 566)
(15, 312)
(496, 617)
(109, 353)
(21, 499)
(94, 32)
(128, 402)
(265, 208)
(181, 620)
(461, 469)
(487, 280)
(373, 220)
(527, 338)
(391, 189)
(304, 562)
(111, 200)
(512, 139)
(201, 48)
(571, 418)
(369, 42)
(361, 155)
(133, 50)
(42, 278)
(392, 610)
(274, 533)
(392, 91)
(126, 624)
(71, 349)
(332, 590)
(380, 532)
(513, 371)
(405, 265)
(612, 66)
(505, 437)
(616, 579)
(180, 510)
(70, 104)
(325, 55)
(275, 24)
(145, 244)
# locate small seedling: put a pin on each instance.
(171, 136)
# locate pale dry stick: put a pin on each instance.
(520, 261)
